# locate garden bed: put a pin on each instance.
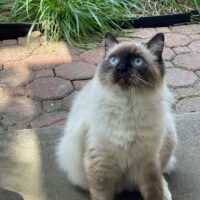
(76, 21)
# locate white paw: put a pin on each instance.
(167, 193)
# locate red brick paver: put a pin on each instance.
(79, 84)
(176, 40)
(49, 119)
(188, 105)
(168, 54)
(75, 71)
(49, 88)
(38, 81)
(93, 56)
(195, 46)
(180, 77)
(190, 61)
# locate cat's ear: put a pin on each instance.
(109, 41)
(156, 44)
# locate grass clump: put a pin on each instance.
(77, 20)
(74, 20)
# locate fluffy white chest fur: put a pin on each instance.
(124, 128)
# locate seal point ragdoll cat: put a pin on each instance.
(120, 133)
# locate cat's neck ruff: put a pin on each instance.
(114, 93)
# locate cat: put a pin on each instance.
(120, 133)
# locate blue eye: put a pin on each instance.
(138, 61)
(113, 60)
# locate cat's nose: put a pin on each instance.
(121, 67)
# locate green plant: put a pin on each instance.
(72, 19)
(5, 7)
(78, 20)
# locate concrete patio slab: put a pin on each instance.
(28, 167)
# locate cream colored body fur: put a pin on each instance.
(124, 129)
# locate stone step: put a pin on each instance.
(28, 167)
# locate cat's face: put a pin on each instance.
(130, 65)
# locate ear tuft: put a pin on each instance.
(156, 44)
(109, 42)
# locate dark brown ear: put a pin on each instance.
(109, 42)
(156, 44)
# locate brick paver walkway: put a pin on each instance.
(37, 82)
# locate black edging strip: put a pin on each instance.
(13, 30)
(161, 21)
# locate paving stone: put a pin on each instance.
(179, 77)
(124, 39)
(168, 64)
(59, 104)
(79, 84)
(13, 53)
(55, 48)
(76, 58)
(49, 119)
(11, 42)
(22, 41)
(75, 70)
(168, 54)
(16, 91)
(143, 33)
(188, 105)
(58, 124)
(195, 37)
(37, 62)
(75, 50)
(195, 46)
(163, 30)
(174, 93)
(187, 29)
(32, 43)
(49, 88)
(176, 40)
(138, 40)
(198, 73)
(17, 75)
(44, 73)
(93, 56)
(180, 50)
(184, 92)
(21, 109)
(190, 61)
(197, 86)
(129, 30)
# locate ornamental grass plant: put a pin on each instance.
(77, 20)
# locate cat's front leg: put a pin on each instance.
(152, 184)
(167, 193)
(100, 175)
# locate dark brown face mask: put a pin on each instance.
(129, 65)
